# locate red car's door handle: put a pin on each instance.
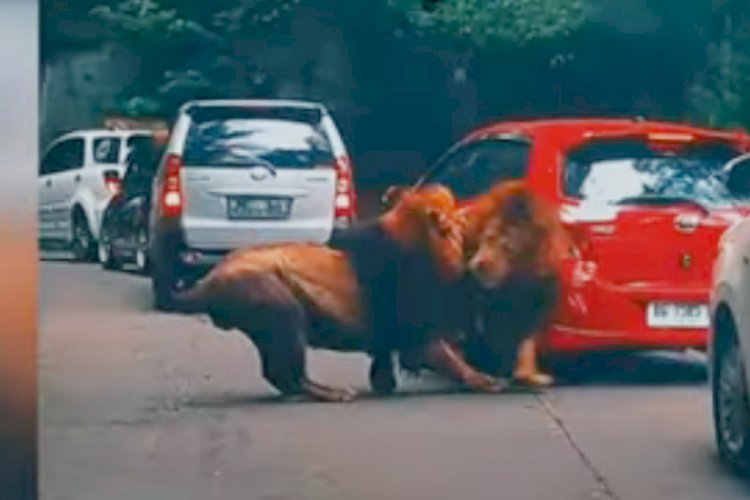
(745, 259)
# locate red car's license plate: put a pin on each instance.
(677, 315)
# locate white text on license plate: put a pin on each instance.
(677, 315)
(259, 208)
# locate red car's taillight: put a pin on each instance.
(171, 195)
(112, 182)
(345, 204)
(581, 262)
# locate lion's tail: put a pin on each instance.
(198, 300)
(193, 300)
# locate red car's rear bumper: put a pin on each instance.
(596, 315)
(560, 339)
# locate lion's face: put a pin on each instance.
(444, 232)
(427, 218)
(504, 248)
(518, 235)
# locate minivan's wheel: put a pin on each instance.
(163, 288)
(141, 251)
(106, 257)
(731, 408)
(83, 244)
(165, 280)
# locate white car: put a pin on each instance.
(729, 340)
(245, 172)
(79, 173)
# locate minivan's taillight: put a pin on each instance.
(345, 200)
(112, 181)
(171, 195)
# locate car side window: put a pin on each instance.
(130, 181)
(142, 161)
(449, 169)
(66, 155)
(49, 159)
(480, 165)
(107, 150)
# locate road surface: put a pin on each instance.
(139, 405)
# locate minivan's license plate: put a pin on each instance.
(677, 315)
(259, 207)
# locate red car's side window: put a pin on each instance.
(475, 167)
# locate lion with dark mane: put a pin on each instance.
(356, 295)
(516, 246)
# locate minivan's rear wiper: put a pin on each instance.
(662, 201)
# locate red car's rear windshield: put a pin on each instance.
(631, 170)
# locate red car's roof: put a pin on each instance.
(571, 130)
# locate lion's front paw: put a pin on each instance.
(534, 380)
(486, 383)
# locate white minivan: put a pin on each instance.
(245, 172)
(78, 174)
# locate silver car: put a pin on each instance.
(729, 342)
(78, 175)
(245, 172)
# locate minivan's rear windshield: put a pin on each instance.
(630, 171)
(247, 137)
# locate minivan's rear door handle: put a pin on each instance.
(48, 183)
(745, 260)
(77, 178)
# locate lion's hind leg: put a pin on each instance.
(526, 370)
(277, 323)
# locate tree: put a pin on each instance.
(185, 47)
(720, 95)
(486, 22)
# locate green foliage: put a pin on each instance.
(721, 96)
(159, 37)
(141, 19)
(486, 22)
(183, 46)
(197, 48)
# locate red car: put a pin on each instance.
(647, 202)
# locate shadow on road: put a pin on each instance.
(632, 369)
(710, 457)
(140, 298)
(437, 387)
(649, 369)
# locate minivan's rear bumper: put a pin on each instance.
(197, 256)
(204, 258)
(219, 235)
(605, 316)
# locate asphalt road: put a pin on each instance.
(138, 405)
